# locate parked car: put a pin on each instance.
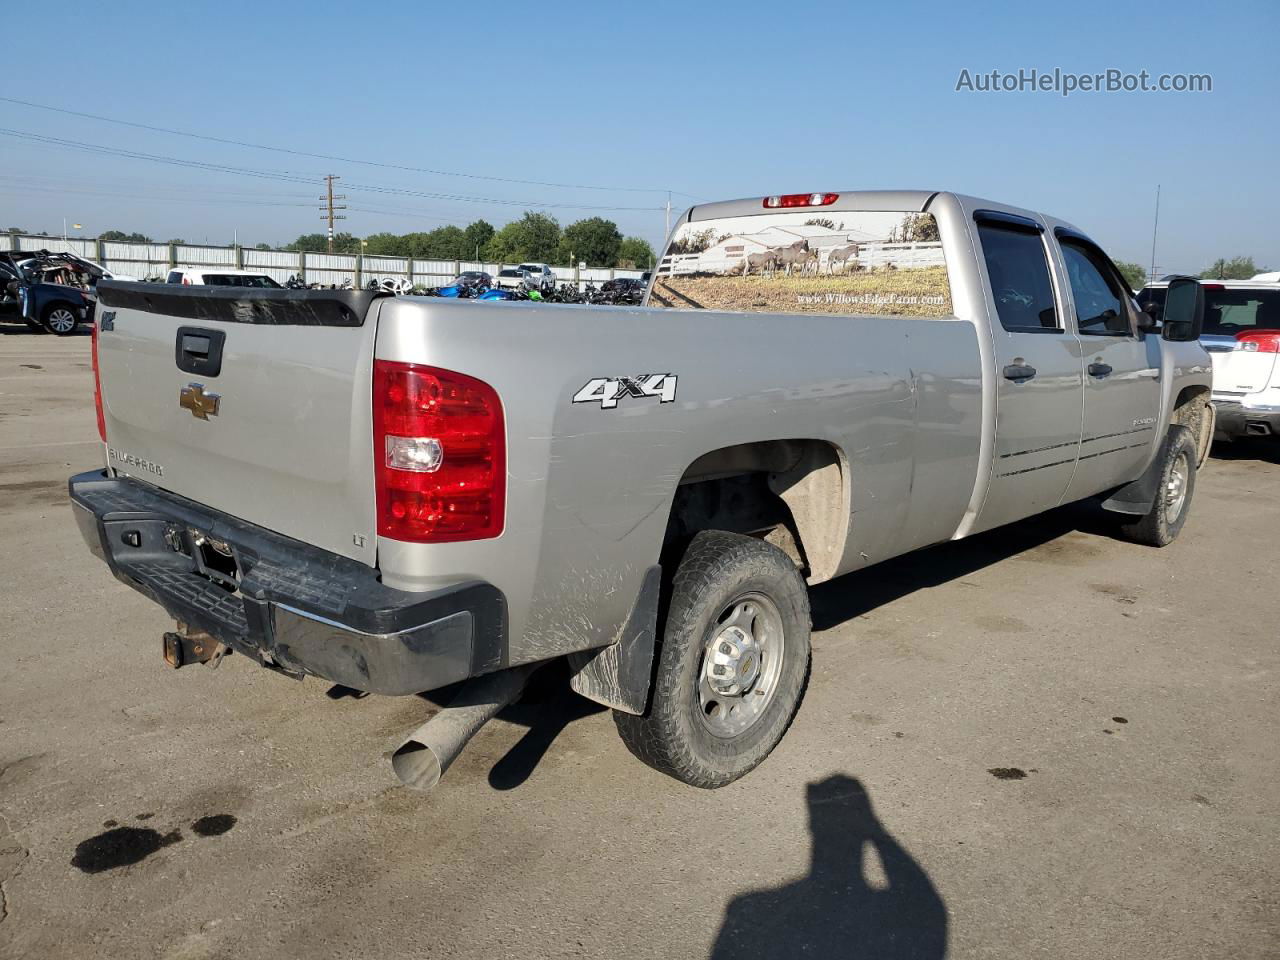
(543, 277)
(1242, 335)
(513, 278)
(213, 277)
(69, 268)
(433, 492)
(57, 308)
(623, 290)
(473, 278)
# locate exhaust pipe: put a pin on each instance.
(423, 757)
(1257, 428)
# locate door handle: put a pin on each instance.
(199, 351)
(1100, 370)
(1019, 372)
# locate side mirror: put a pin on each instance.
(1183, 310)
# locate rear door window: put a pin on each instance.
(1019, 273)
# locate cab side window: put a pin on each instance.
(1019, 274)
(1098, 294)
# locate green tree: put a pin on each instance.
(535, 236)
(594, 240)
(387, 245)
(1237, 268)
(262, 246)
(635, 254)
(319, 243)
(121, 236)
(478, 235)
(1133, 274)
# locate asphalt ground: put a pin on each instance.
(1043, 742)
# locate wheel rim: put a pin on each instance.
(740, 666)
(1175, 488)
(62, 320)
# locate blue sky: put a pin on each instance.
(711, 100)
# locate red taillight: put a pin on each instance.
(801, 200)
(97, 386)
(439, 447)
(1259, 341)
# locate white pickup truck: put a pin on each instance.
(399, 493)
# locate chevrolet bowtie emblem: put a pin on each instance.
(202, 405)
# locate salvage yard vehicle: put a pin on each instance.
(514, 278)
(1242, 335)
(396, 494)
(57, 308)
(541, 275)
(217, 277)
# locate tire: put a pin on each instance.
(738, 610)
(1178, 458)
(60, 319)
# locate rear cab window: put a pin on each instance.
(1228, 310)
(888, 263)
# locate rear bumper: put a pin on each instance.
(288, 605)
(1236, 419)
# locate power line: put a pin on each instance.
(292, 177)
(330, 157)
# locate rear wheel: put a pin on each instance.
(1162, 524)
(732, 666)
(61, 319)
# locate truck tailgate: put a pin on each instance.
(252, 402)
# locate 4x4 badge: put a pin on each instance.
(606, 391)
(202, 405)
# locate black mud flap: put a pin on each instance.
(619, 675)
(1138, 497)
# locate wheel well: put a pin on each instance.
(1194, 411)
(792, 493)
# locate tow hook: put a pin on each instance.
(188, 646)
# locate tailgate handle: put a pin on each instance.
(199, 350)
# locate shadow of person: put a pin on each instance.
(837, 911)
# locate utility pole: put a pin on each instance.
(326, 212)
(667, 232)
(1154, 227)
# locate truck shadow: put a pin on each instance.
(860, 592)
(547, 708)
(837, 909)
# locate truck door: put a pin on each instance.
(1122, 372)
(1039, 391)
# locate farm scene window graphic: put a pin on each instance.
(861, 262)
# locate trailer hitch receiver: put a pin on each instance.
(185, 647)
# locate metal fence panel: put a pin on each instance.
(143, 260)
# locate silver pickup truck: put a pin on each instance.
(397, 494)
